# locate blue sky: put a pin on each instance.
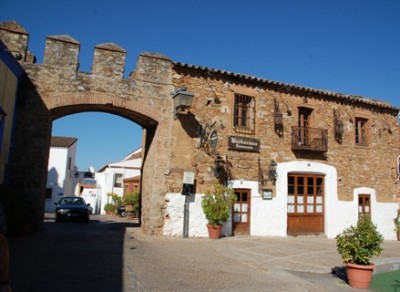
(347, 46)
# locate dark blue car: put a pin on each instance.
(72, 209)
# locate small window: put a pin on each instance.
(118, 180)
(361, 131)
(244, 113)
(364, 205)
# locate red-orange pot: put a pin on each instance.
(214, 232)
(359, 276)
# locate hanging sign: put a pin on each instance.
(188, 183)
(213, 140)
(243, 144)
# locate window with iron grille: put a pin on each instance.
(361, 131)
(244, 113)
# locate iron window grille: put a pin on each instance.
(244, 114)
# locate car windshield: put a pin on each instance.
(76, 201)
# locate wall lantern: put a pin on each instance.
(272, 171)
(182, 101)
(219, 167)
(219, 162)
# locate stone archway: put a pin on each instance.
(56, 88)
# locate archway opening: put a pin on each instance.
(93, 154)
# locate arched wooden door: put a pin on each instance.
(305, 206)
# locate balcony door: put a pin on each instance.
(304, 124)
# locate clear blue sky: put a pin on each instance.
(346, 46)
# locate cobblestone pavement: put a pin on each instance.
(112, 254)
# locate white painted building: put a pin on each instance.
(110, 178)
(62, 175)
(268, 216)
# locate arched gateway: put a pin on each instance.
(56, 88)
(294, 155)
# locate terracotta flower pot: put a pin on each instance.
(359, 276)
(214, 232)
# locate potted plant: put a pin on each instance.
(131, 202)
(116, 199)
(217, 205)
(357, 245)
(110, 208)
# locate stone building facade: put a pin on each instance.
(335, 153)
(301, 160)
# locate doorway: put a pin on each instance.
(305, 205)
(241, 213)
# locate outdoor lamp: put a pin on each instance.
(219, 164)
(272, 173)
(182, 101)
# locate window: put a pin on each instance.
(361, 131)
(49, 193)
(305, 194)
(118, 180)
(244, 113)
(304, 123)
(364, 205)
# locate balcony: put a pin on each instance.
(309, 139)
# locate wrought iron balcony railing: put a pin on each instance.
(311, 139)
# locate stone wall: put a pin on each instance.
(171, 146)
(57, 88)
(214, 91)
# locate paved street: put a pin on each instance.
(111, 254)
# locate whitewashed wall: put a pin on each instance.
(269, 216)
(59, 177)
(105, 183)
(174, 214)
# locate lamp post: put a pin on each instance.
(182, 101)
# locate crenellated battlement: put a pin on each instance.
(63, 51)
(16, 40)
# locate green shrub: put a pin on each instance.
(110, 207)
(115, 198)
(357, 245)
(218, 203)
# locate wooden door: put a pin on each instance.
(241, 212)
(305, 204)
(304, 124)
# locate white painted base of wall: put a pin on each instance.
(269, 217)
